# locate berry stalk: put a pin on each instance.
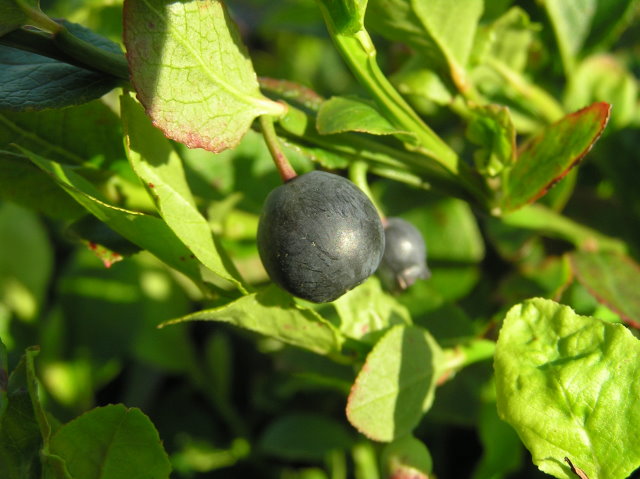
(279, 158)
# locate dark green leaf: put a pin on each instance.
(271, 312)
(304, 437)
(56, 134)
(613, 279)
(25, 184)
(341, 114)
(173, 46)
(29, 81)
(23, 426)
(396, 385)
(548, 156)
(564, 381)
(111, 442)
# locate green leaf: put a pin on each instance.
(548, 156)
(172, 46)
(439, 29)
(272, 312)
(304, 437)
(146, 231)
(23, 426)
(396, 385)
(23, 183)
(367, 311)
(159, 167)
(29, 81)
(490, 127)
(604, 78)
(571, 20)
(563, 381)
(609, 21)
(612, 278)
(111, 442)
(54, 133)
(406, 457)
(417, 80)
(341, 114)
(27, 262)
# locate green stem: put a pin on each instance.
(358, 175)
(279, 158)
(464, 355)
(95, 58)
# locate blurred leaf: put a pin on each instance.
(613, 279)
(502, 449)
(272, 312)
(172, 46)
(304, 437)
(490, 127)
(111, 442)
(406, 457)
(23, 426)
(541, 219)
(416, 79)
(15, 13)
(559, 378)
(571, 20)
(26, 261)
(29, 81)
(604, 78)
(159, 167)
(367, 311)
(441, 30)
(148, 232)
(341, 114)
(21, 182)
(396, 385)
(55, 134)
(609, 21)
(547, 157)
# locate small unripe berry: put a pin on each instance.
(405, 255)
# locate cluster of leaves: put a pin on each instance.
(462, 114)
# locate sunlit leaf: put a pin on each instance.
(564, 382)
(340, 114)
(396, 385)
(111, 442)
(191, 71)
(272, 313)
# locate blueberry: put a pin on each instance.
(319, 236)
(405, 255)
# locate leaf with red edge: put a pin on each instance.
(192, 72)
(548, 157)
(613, 279)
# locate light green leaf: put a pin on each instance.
(192, 73)
(111, 442)
(571, 20)
(396, 385)
(341, 114)
(367, 311)
(490, 127)
(604, 78)
(159, 167)
(272, 312)
(565, 382)
(439, 29)
(146, 231)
